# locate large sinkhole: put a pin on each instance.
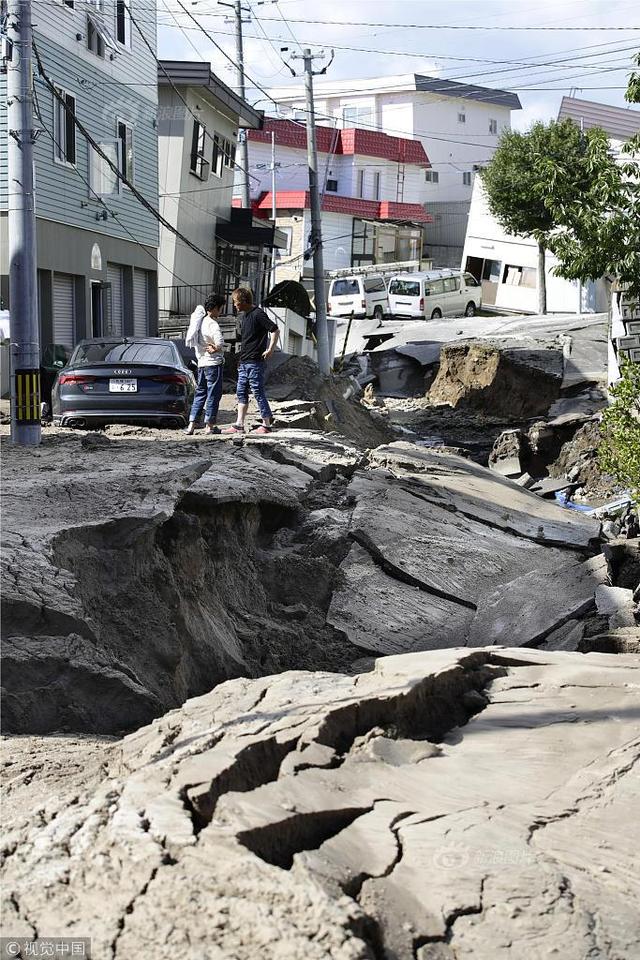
(170, 608)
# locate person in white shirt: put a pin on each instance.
(205, 336)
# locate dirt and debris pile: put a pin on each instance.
(335, 399)
(326, 817)
(515, 382)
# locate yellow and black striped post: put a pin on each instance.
(27, 387)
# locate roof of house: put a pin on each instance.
(352, 141)
(189, 73)
(333, 203)
(467, 91)
(618, 122)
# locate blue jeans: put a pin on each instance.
(208, 393)
(251, 374)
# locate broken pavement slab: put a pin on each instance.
(462, 486)
(528, 608)
(464, 842)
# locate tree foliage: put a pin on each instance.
(619, 451)
(599, 232)
(532, 174)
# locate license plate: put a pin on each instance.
(123, 386)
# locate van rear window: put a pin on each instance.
(345, 288)
(405, 288)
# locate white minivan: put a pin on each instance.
(360, 296)
(434, 294)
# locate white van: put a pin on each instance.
(434, 294)
(362, 296)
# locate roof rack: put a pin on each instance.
(400, 266)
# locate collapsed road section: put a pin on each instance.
(147, 573)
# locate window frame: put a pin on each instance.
(122, 160)
(493, 126)
(466, 178)
(127, 43)
(68, 125)
(462, 116)
(432, 176)
(377, 179)
(198, 163)
(93, 158)
(360, 183)
(217, 156)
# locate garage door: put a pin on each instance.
(140, 304)
(64, 309)
(116, 294)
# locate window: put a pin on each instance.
(95, 40)
(435, 287)
(226, 153)
(64, 128)
(432, 176)
(217, 157)
(103, 180)
(198, 165)
(470, 280)
(515, 276)
(466, 178)
(98, 37)
(451, 284)
(491, 270)
(123, 23)
(462, 117)
(357, 116)
(405, 288)
(374, 285)
(360, 183)
(69, 4)
(345, 288)
(98, 5)
(493, 126)
(285, 251)
(232, 155)
(332, 186)
(376, 185)
(125, 139)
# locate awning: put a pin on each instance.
(245, 230)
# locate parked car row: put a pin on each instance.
(427, 295)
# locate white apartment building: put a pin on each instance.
(458, 124)
(365, 177)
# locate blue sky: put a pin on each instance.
(540, 65)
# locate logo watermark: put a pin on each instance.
(455, 856)
(23, 947)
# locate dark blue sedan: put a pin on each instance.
(123, 380)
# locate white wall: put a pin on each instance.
(487, 239)
(190, 204)
(129, 64)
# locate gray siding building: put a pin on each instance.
(97, 244)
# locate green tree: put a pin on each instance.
(532, 177)
(598, 233)
(619, 451)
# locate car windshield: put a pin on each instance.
(110, 351)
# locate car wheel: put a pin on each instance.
(437, 314)
(470, 309)
(378, 313)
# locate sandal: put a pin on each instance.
(191, 429)
(235, 428)
(262, 430)
(211, 428)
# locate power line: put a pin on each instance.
(115, 169)
(443, 26)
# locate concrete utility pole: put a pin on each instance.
(23, 304)
(274, 208)
(238, 10)
(325, 357)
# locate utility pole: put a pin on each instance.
(274, 206)
(238, 10)
(23, 305)
(325, 358)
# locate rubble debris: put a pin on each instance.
(298, 378)
(387, 814)
(617, 604)
(623, 558)
(619, 640)
(506, 457)
(566, 637)
(517, 382)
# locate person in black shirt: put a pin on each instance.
(258, 336)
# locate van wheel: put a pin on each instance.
(437, 314)
(470, 309)
(378, 313)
